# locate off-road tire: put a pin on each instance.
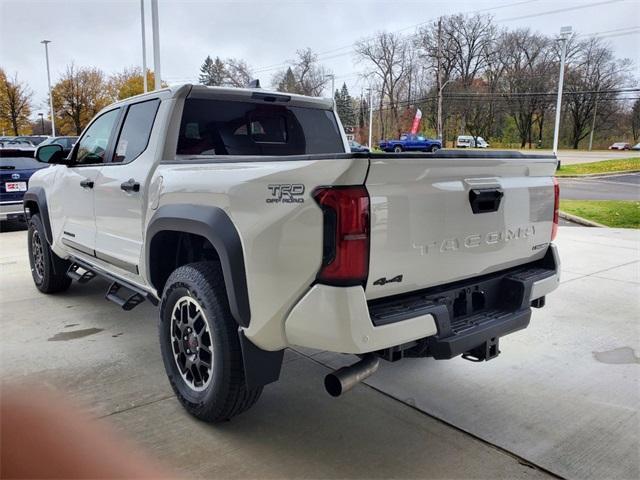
(49, 271)
(226, 395)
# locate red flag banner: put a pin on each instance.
(416, 122)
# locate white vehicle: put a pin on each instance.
(244, 215)
(468, 141)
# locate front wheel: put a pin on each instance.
(397, 149)
(200, 345)
(49, 271)
(434, 148)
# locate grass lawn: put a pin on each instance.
(612, 213)
(605, 166)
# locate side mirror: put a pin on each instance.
(51, 154)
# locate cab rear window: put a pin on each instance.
(221, 127)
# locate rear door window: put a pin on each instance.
(221, 127)
(136, 130)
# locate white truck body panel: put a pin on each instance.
(423, 228)
(421, 224)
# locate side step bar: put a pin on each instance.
(123, 294)
(80, 274)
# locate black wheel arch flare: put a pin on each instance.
(38, 196)
(214, 224)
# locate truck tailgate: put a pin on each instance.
(436, 219)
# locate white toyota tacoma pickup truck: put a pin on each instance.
(241, 213)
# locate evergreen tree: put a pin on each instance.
(289, 83)
(344, 106)
(363, 113)
(213, 72)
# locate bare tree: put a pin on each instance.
(304, 76)
(635, 120)
(527, 71)
(15, 103)
(593, 71)
(386, 55)
(238, 73)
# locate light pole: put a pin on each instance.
(46, 54)
(156, 44)
(41, 115)
(144, 49)
(440, 134)
(333, 84)
(370, 116)
(565, 34)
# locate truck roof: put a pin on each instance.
(181, 90)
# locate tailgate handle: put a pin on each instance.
(485, 200)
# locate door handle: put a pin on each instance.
(86, 183)
(130, 186)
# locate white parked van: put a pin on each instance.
(465, 141)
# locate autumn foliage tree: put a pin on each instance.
(129, 82)
(78, 96)
(15, 104)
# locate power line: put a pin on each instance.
(275, 66)
(272, 67)
(558, 10)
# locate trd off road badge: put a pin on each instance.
(286, 193)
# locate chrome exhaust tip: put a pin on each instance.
(345, 378)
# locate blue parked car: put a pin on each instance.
(409, 142)
(16, 167)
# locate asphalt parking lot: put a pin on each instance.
(562, 399)
(571, 157)
(609, 187)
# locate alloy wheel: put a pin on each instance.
(38, 255)
(191, 343)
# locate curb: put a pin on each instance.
(605, 174)
(580, 220)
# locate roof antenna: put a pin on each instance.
(255, 83)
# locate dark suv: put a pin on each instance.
(16, 167)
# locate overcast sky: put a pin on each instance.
(106, 33)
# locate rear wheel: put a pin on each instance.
(397, 149)
(49, 271)
(200, 345)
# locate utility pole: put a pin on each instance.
(156, 45)
(370, 116)
(333, 84)
(144, 48)
(46, 54)
(565, 34)
(595, 112)
(439, 80)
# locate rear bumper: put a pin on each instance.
(441, 322)
(11, 211)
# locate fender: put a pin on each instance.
(37, 195)
(214, 224)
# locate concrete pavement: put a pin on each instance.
(564, 395)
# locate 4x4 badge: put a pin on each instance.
(384, 281)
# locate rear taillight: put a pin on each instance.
(345, 254)
(556, 207)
